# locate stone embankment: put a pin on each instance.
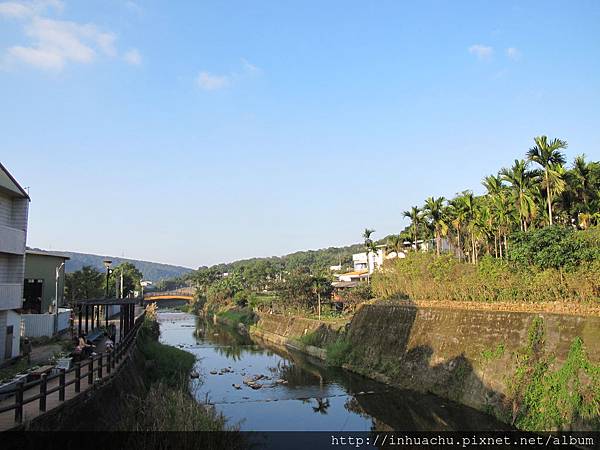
(469, 355)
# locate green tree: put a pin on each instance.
(416, 219)
(370, 246)
(130, 276)
(394, 243)
(434, 210)
(84, 284)
(322, 288)
(521, 183)
(547, 154)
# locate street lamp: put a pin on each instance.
(58, 269)
(143, 284)
(107, 263)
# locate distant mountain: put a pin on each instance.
(152, 271)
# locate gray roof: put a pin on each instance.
(45, 253)
(13, 184)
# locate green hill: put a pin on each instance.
(152, 271)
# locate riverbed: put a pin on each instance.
(292, 392)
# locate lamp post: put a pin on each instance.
(143, 284)
(58, 269)
(107, 263)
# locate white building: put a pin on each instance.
(363, 266)
(14, 208)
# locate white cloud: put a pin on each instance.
(14, 9)
(250, 68)
(211, 82)
(483, 52)
(134, 7)
(133, 57)
(53, 43)
(21, 9)
(56, 42)
(513, 53)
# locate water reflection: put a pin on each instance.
(266, 388)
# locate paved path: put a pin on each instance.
(31, 409)
(43, 353)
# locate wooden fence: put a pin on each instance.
(97, 368)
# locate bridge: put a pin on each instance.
(186, 293)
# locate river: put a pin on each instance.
(298, 393)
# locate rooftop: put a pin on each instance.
(8, 183)
(45, 253)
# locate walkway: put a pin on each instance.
(32, 410)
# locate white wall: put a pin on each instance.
(37, 325)
(13, 318)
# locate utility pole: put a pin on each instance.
(58, 268)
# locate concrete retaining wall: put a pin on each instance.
(466, 355)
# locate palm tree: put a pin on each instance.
(496, 195)
(395, 243)
(416, 218)
(457, 216)
(434, 209)
(521, 183)
(369, 246)
(580, 174)
(502, 212)
(581, 188)
(548, 156)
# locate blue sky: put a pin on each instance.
(197, 132)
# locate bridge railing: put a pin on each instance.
(95, 369)
(185, 292)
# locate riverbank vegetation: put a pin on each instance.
(167, 404)
(566, 270)
(533, 193)
(549, 396)
(532, 237)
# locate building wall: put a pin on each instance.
(14, 318)
(43, 267)
(3, 319)
(14, 209)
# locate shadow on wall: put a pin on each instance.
(379, 339)
(543, 380)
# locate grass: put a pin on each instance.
(310, 339)
(169, 409)
(169, 364)
(236, 316)
(422, 276)
(168, 404)
(338, 351)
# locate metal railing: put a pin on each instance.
(96, 368)
(183, 292)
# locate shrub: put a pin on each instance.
(338, 351)
(547, 396)
(310, 339)
(554, 247)
(354, 296)
(422, 276)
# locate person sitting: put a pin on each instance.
(84, 346)
(109, 344)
